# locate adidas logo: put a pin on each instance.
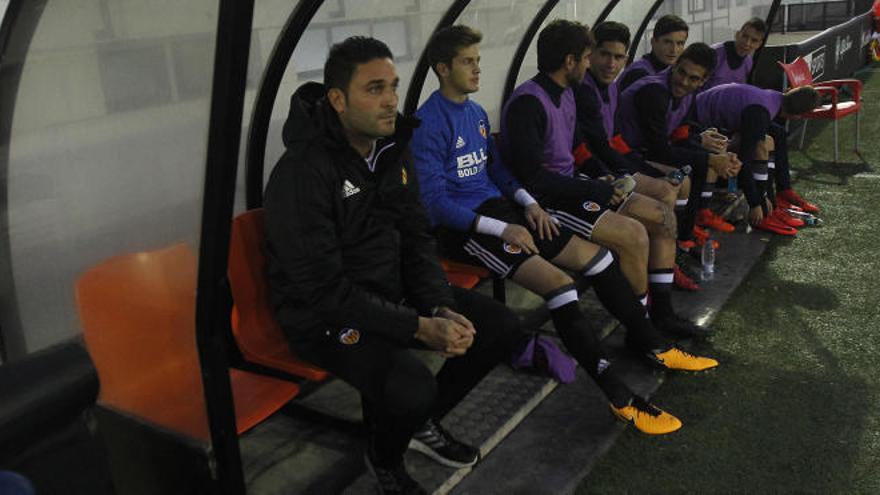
(459, 144)
(349, 189)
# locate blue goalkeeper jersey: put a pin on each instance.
(456, 162)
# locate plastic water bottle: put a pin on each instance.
(731, 184)
(707, 256)
(808, 218)
(676, 176)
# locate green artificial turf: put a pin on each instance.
(795, 405)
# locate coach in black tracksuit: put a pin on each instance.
(354, 274)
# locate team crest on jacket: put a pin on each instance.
(591, 206)
(512, 249)
(403, 177)
(349, 336)
(483, 130)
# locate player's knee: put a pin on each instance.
(634, 237)
(684, 190)
(667, 193)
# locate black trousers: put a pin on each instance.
(398, 392)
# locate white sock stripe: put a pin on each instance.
(560, 300)
(706, 194)
(760, 176)
(661, 278)
(600, 265)
(771, 165)
(644, 300)
(489, 259)
(681, 202)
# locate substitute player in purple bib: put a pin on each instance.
(735, 62)
(353, 270)
(667, 43)
(735, 58)
(748, 112)
(539, 132)
(597, 101)
(653, 108)
(483, 215)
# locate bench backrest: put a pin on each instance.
(798, 73)
(257, 333)
(138, 318)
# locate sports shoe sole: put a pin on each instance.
(418, 446)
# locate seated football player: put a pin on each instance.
(461, 182)
(667, 43)
(597, 102)
(538, 135)
(347, 244)
(653, 116)
(749, 112)
(735, 62)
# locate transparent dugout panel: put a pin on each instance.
(583, 11)
(503, 23)
(104, 170)
(709, 21)
(632, 13)
(404, 25)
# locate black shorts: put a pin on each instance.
(646, 169)
(577, 215)
(492, 252)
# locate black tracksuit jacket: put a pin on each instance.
(346, 245)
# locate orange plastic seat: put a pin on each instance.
(258, 335)
(463, 275)
(798, 74)
(138, 317)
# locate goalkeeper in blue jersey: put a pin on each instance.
(482, 215)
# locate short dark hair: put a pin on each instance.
(669, 23)
(560, 39)
(611, 31)
(700, 54)
(445, 44)
(800, 100)
(755, 23)
(346, 55)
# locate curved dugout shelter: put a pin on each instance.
(133, 127)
